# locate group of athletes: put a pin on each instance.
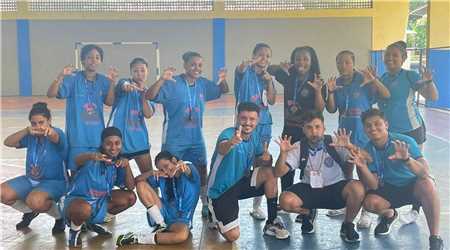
(373, 163)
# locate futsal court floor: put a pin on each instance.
(219, 115)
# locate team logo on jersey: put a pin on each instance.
(35, 171)
(90, 114)
(328, 162)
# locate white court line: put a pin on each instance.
(12, 165)
(438, 137)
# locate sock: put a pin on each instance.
(74, 227)
(20, 206)
(147, 239)
(155, 214)
(54, 211)
(257, 202)
(271, 209)
(203, 195)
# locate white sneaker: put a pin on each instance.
(335, 212)
(276, 229)
(364, 220)
(258, 214)
(409, 217)
(109, 217)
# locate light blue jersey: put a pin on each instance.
(183, 109)
(95, 180)
(179, 196)
(394, 172)
(249, 87)
(227, 170)
(84, 108)
(352, 100)
(128, 116)
(401, 108)
(45, 159)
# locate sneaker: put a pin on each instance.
(348, 232)
(276, 229)
(308, 222)
(74, 238)
(409, 217)
(159, 228)
(385, 225)
(126, 239)
(335, 212)
(84, 228)
(59, 226)
(436, 243)
(100, 230)
(205, 211)
(299, 218)
(258, 214)
(364, 220)
(26, 220)
(109, 217)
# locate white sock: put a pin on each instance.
(155, 214)
(74, 227)
(54, 211)
(146, 239)
(203, 195)
(21, 206)
(257, 202)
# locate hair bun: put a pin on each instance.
(401, 44)
(40, 105)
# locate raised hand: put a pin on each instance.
(122, 163)
(286, 66)
(331, 84)
(222, 74)
(128, 87)
(100, 157)
(244, 65)
(267, 78)
(285, 143)
(369, 75)
(168, 74)
(159, 174)
(47, 131)
(342, 139)
(67, 70)
(426, 74)
(112, 74)
(317, 83)
(237, 138)
(357, 158)
(401, 151)
(34, 131)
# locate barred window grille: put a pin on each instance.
(276, 5)
(119, 5)
(8, 5)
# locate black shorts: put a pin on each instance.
(397, 196)
(225, 209)
(329, 197)
(419, 134)
(134, 154)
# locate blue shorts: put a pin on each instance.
(23, 185)
(193, 153)
(171, 216)
(74, 152)
(265, 132)
(99, 208)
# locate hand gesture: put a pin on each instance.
(128, 87)
(112, 74)
(426, 74)
(285, 143)
(267, 78)
(357, 158)
(266, 155)
(100, 157)
(168, 73)
(34, 131)
(331, 84)
(181, 167)
(369, 75)
(47, 131)
(286, 66)
(341, 139)
(222, 75)
(244, 65)
(317, 83)
(237, 138)
(122, 163)
(401, 151)
(67, 70)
